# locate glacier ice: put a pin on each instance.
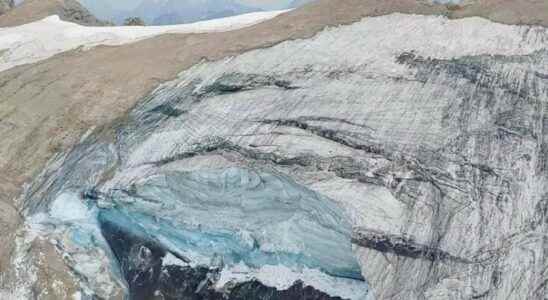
(258, 219)
(429, 162)
(262, 226)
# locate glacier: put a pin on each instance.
(416, 154)
(259, 219)
(252, 226)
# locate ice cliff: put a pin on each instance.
(405, 151)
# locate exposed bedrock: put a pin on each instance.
(6, 5)
(32, 10)
(430, 158)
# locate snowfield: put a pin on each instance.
(42, 39)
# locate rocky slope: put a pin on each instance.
(51, 36)
(6, 5)
(423, 148)
(33, 10)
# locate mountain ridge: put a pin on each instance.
(6, 5)
(33, 10)
(51, 104)
(172, 12)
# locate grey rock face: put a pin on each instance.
(6, 5)
(73, 11)
(432, 138)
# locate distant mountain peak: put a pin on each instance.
(32, 10)
(167, 12)
(6, 5)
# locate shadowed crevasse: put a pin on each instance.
(141, 261)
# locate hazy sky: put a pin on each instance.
(117, 10)
(266, 4)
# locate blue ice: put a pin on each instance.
(244, 216)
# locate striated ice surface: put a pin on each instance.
(431, 140)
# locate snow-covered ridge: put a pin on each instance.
(42, 39)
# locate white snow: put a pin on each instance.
(373, 44)
(73, 226)
(42, 39)
(68, 207)
(77, 296)
(282, 278)
(367, 206)
(171, 260)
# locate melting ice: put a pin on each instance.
(255, 225)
